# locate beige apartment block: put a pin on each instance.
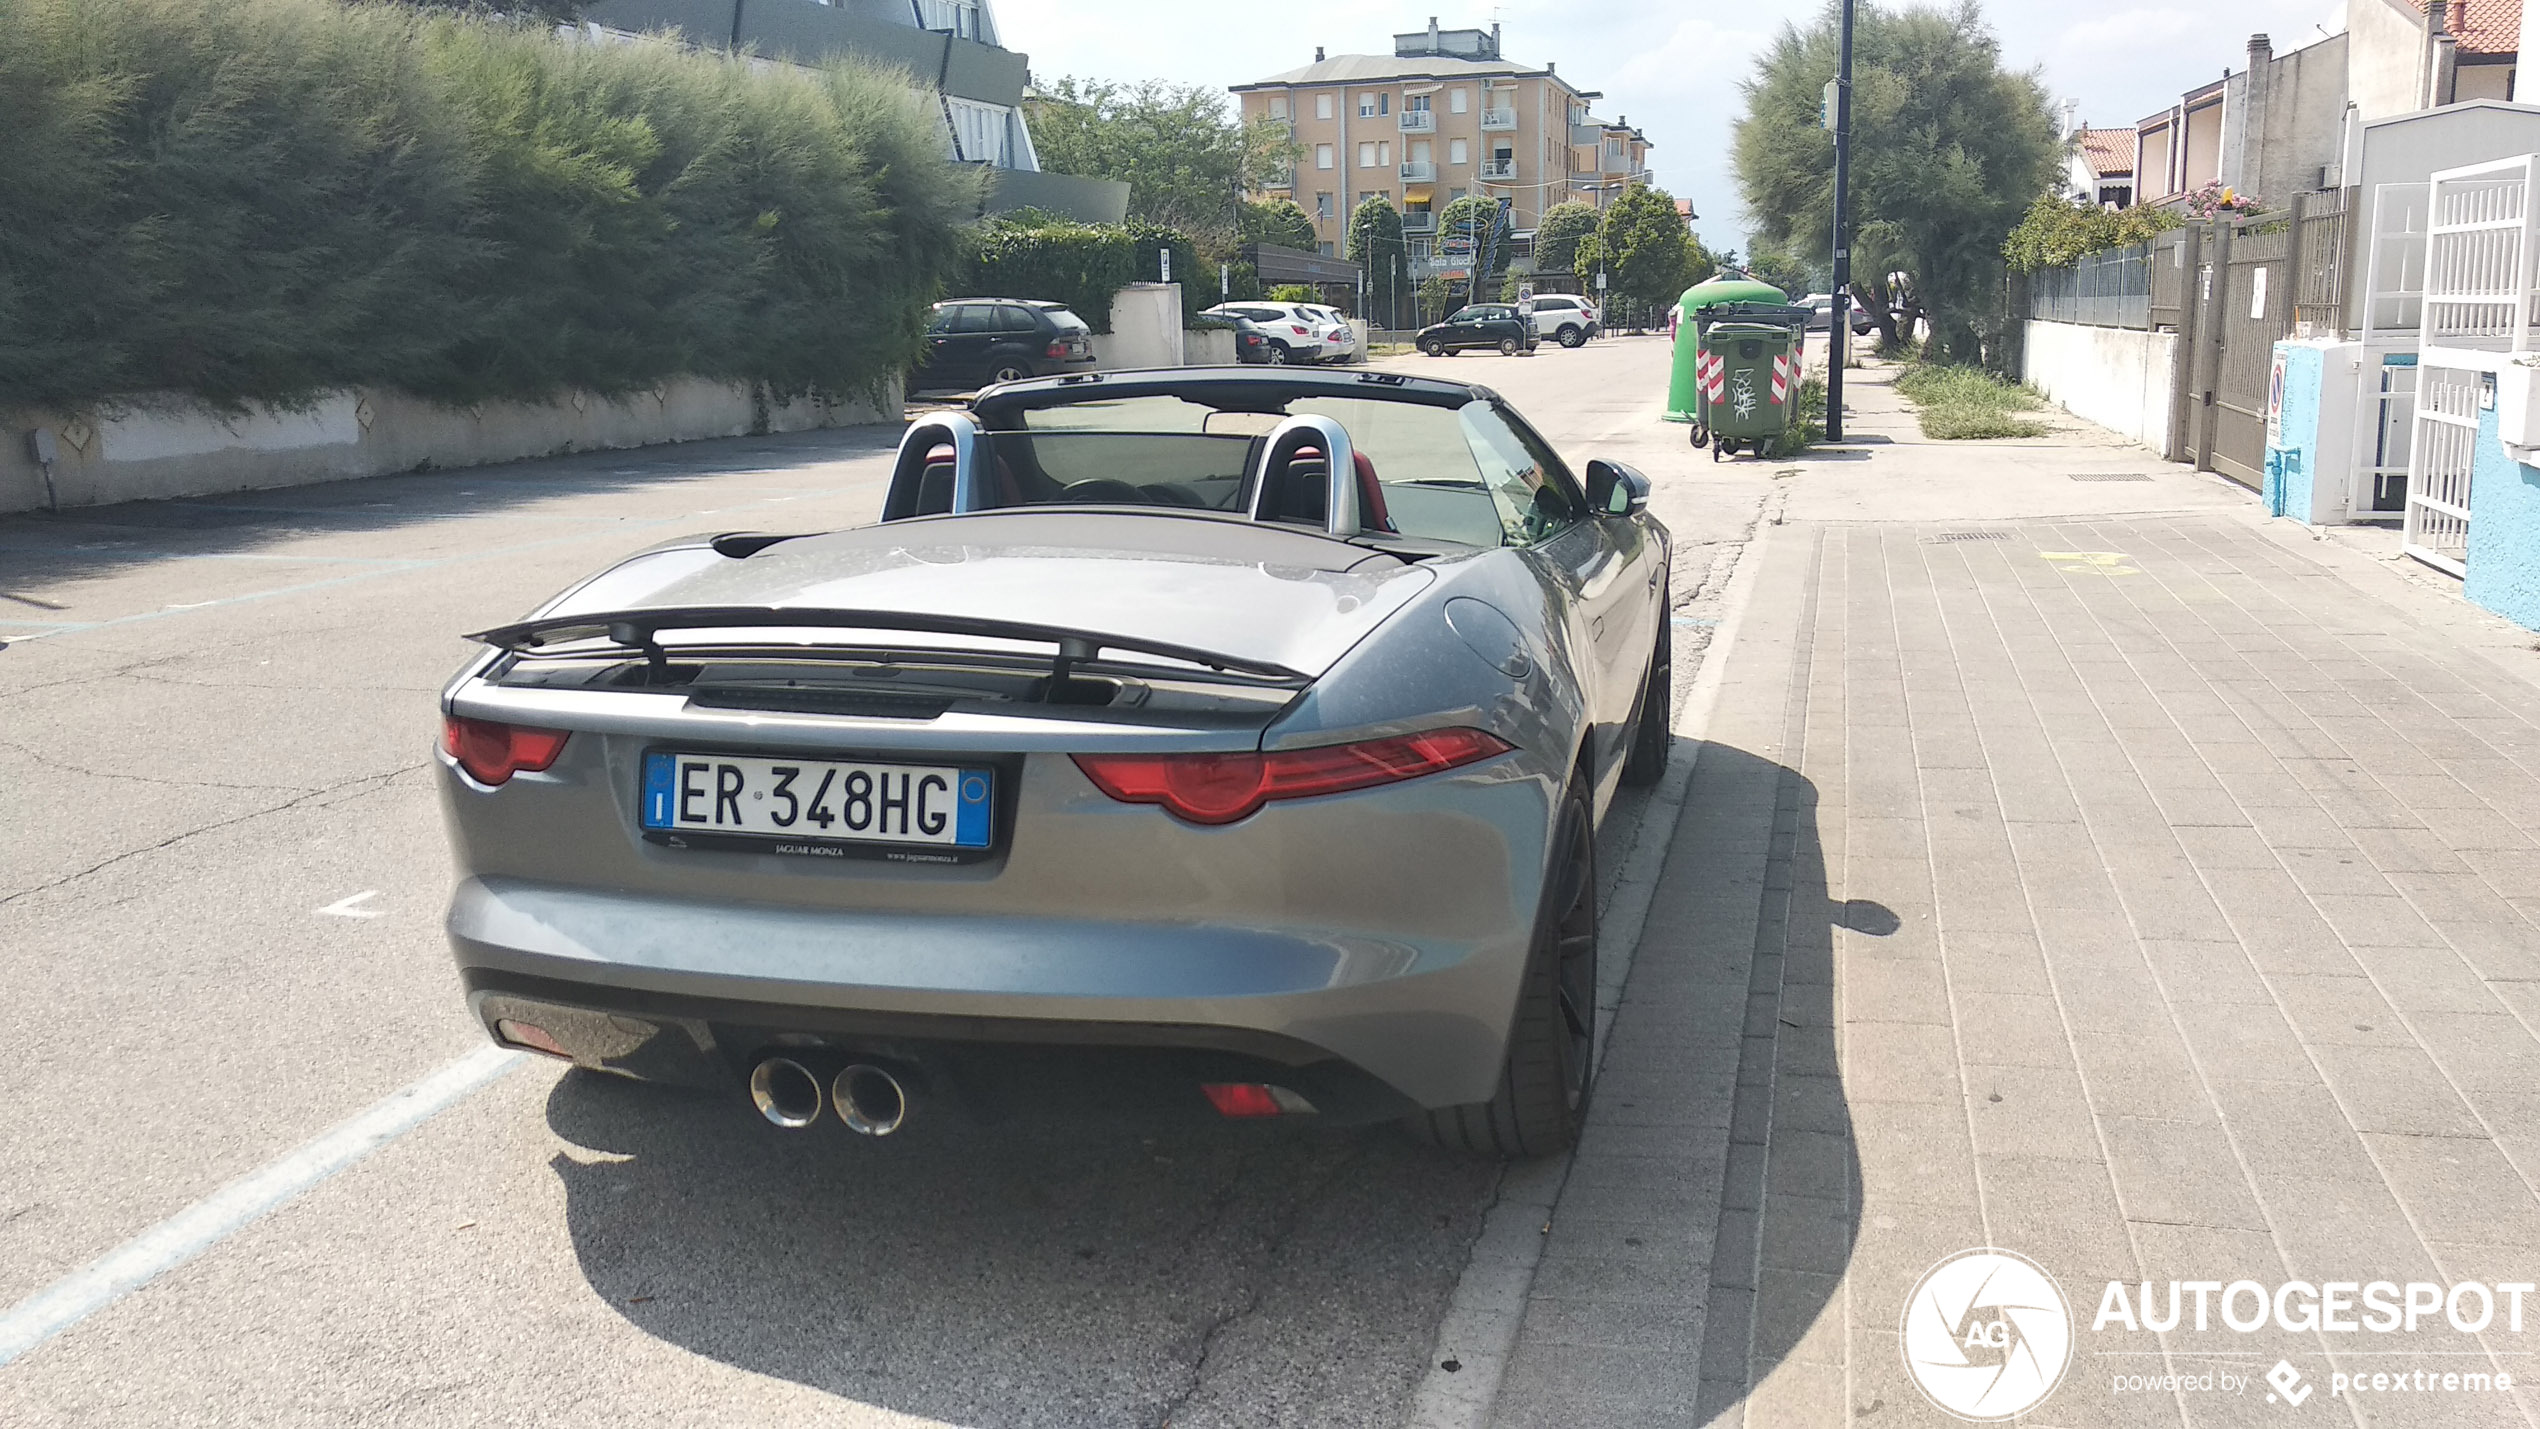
(1443, 116)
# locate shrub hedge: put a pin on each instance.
(1084, 265)
(264, 199)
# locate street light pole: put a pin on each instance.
(1839, 328)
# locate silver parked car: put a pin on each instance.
(1226, 739)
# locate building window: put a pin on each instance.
(1278, 106)
(1384, 104)
(1416, 103)
(1455, 101)
(1457, 153)
(1322, 106)
(1366, 106)
(1366, 154)
(1323, 206)
(1325, 248)
(979, 130)
(1384, 153)
(1453, 194)
(1322, 156)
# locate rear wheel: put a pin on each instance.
(1007, 369)
(1542, 1098)
(1572, 335)
(1508, 347)
(1276, 354)
(1434, 348)
(1653, 727)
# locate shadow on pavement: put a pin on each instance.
(1085, 1271)
(39, 548)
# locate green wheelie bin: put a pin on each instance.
(1729, 296)
(1749, 384)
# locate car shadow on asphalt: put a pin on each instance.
(1086, 1269)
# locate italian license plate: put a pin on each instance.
(817, 800)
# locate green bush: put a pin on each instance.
(264, 199)
(1293, 293)
(1085, 265)
(1967, 403)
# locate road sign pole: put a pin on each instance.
(1839, 327)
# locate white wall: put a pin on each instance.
(1209, 347)
(2115, 377)
(1146, 329)
(156, 448)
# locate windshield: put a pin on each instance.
(1463, 475)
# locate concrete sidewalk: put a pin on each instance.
(2130, 885)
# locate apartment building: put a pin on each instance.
(1445, 115)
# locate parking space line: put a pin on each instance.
(209, 1221)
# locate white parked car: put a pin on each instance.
(1565, 318)
(1343, 341)
(1299, 327)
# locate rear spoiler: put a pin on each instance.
(1079, 651)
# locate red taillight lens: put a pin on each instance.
(1222, 788)
(1057, 349)
(1254, 1099)
(492, 752)
(531, 1036)
(1297, 330)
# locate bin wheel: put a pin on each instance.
(1701, 436)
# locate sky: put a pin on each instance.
(1672, 67)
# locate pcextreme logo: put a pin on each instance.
(1987, 1334)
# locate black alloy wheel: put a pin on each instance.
(1545, 1084)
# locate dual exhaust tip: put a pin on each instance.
(869, 1099)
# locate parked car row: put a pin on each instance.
(1303, 332)
(1513, 328)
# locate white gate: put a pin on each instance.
(2437, 530)
(2478, 296)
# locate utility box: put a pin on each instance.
(2316, 412)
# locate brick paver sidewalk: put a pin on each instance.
(2134, 894)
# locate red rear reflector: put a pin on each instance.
(1254, 1099)
(492, 752)
(1222, 788)
(529, 1035)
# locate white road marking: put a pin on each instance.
(1479, 1332)
(209, 1221)
(345, 907)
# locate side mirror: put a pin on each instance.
(1614, 489)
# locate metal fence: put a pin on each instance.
(2111, 289)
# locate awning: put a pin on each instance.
(1417, 193)
(1430, 88)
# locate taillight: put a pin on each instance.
(1247, 1099)
(1222, 788)
(1292, 327)
(492, 752)
(1057, 349)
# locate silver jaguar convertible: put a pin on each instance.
(1229, 740)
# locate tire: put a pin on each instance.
(1434, 348)
(1276, 354)
(1572, 335)
(1548, 1076)
(1508, 347)
(1701, 436)
(1653, 725)
(1008, 370)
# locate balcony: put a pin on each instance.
(1283, 179)
(1499, 119)
(1498, 170)
(1584, 134)
(1418, 171)
(1418, 121)
(1419, 221)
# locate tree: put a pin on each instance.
(1280, 220)
(1558, 233)
(1948, 149)
(1483, 223)
(1375, 243)
(1785, 270)
(1645, 251)
(2057, 231)
(1183, 156)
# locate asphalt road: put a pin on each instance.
(219, 936)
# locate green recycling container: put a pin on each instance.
(1748, 376)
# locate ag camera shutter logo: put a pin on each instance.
(1987, 1334)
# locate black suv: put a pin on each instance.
(974, 341)
(1481, 325)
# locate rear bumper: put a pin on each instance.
(694, 991)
